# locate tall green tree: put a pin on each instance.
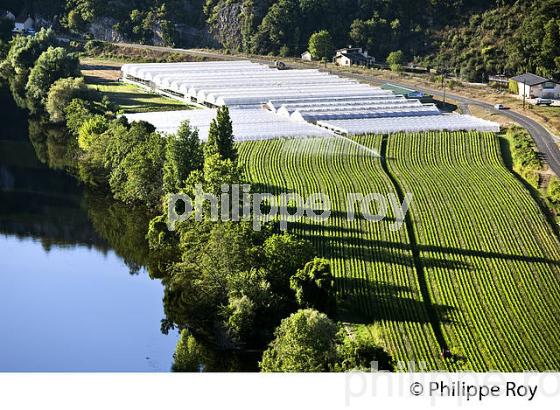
(60, 94)
(183, 155)
(220, 136)
(321, 45)
(138, 178)
(285, 254)
(550, 49)
(314, 286)
(22, 55)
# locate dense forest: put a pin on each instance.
(470, 38)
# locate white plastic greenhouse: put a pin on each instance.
(248, 124)
(442, 122)
(268, 103)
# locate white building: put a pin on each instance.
(23, 23)
(352, 56)
(306, 56)
(534, 86)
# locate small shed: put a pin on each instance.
(306, 56)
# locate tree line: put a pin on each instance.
(469, 38)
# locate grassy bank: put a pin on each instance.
(103, 76)
(129, 98)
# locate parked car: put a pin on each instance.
(499, 106)
(543, 101)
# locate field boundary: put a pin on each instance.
(422, 283)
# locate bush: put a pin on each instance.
(395, 59)
(526, 161)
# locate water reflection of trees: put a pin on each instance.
(42, 198)
(123, 227)
(39, 200)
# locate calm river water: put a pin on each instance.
(70, 299)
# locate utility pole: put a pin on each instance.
(443, 84)
(524, 91)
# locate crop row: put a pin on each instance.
(489, 256)
(377, 281)
(491, 259)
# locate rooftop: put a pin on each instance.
(530, 79)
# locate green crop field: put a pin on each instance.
(474, 269)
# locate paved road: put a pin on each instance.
(544, 140)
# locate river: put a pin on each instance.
(73, 293)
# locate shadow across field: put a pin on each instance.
(387, 302)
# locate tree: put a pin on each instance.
(25, 50)
(314, 286)
(138, 178)
(304, 342)
(60, 94)
(321, 45)
(22, 55)
(373, 34)
(279, 28)
(395, 59)
(52, 64)
(285, 254)
(6, 27)
(220, 136)
(76, 112)
(189, 354)
(75, 21)
(90, 130)
(183, 155)
(550, 49)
